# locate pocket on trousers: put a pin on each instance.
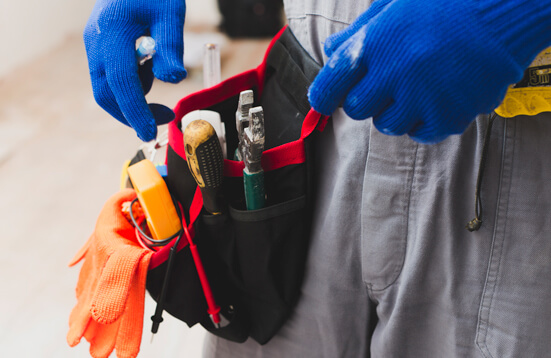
(515, 313)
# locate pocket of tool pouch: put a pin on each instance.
(263, 252)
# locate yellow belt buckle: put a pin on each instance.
(532, 95)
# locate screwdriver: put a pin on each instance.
(145, 50)
(253, 174)
(206, 162)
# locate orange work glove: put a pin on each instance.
(111, 285)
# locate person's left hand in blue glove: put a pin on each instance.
(118, 82)
(428, 68)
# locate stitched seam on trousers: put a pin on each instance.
(503, 231)
(495, 255)
(483, 326)
(368, 286)
(398, 271)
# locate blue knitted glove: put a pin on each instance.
(427, 68)
(118, 82)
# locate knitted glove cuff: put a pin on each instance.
(524, 37)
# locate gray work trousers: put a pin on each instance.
(392, 271)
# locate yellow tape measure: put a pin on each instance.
(532, 95)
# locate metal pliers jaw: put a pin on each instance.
(253, 139)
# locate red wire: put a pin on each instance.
(139, 236)
(213, 308)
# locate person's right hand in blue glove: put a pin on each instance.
(118, 82)
(428, 67)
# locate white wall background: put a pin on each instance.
(30, 28)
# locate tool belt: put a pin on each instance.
(254, 259)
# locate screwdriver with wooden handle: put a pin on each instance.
(206, 162)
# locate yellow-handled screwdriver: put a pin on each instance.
(206, 162)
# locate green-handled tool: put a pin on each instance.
(206, 162)
(253, 174)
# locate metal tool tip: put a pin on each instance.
(257, 116)
(256, 124)
(246, 97)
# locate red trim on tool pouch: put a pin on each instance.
(292, 152)
(275, 158)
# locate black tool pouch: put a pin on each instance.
(254, 260)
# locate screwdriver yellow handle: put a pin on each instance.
(205, 161)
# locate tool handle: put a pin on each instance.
(212, 200)
(206, 162)
(254, 189)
